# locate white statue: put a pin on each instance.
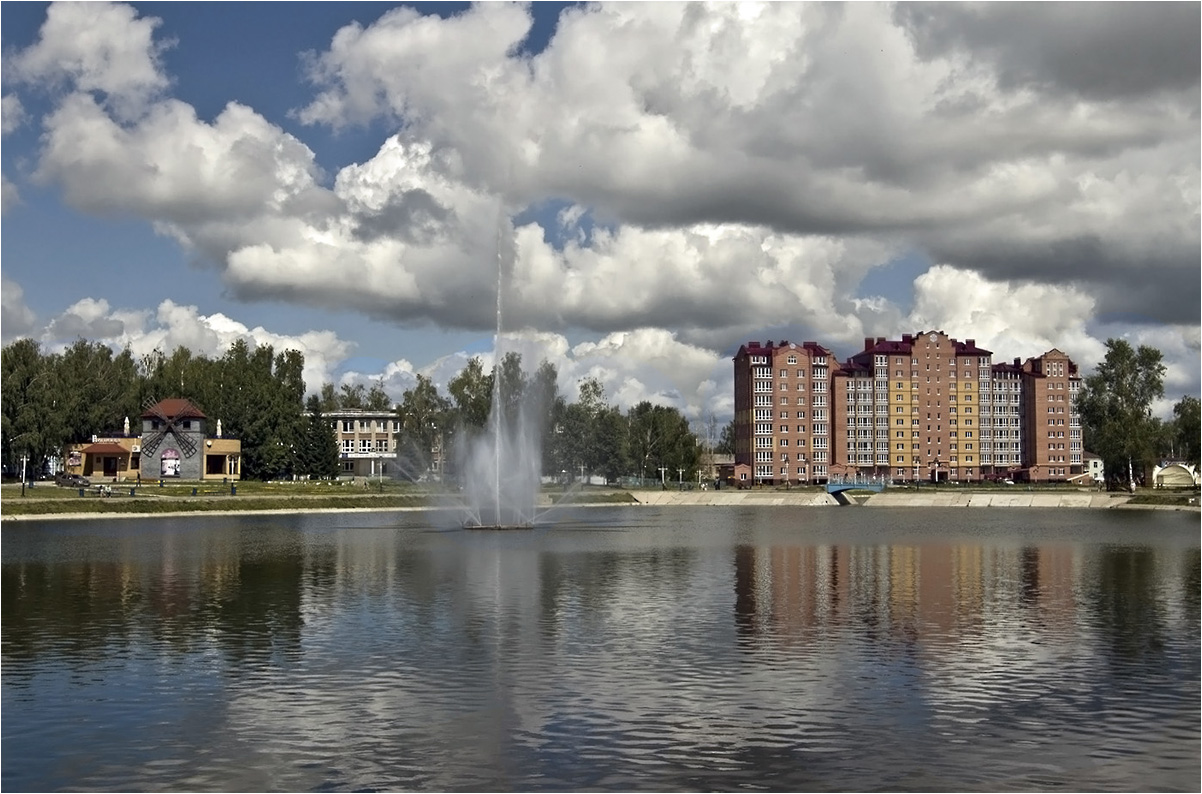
(126, 432)
(219, 428)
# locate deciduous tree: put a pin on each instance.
(1115, 405)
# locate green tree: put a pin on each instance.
(542, 392)
(511, 387)
(726, 442)
(1187, 430)
(1115, 406)
(424, 416)
(659, 438)
(329, 398)
(319, 453)
(471, 391)
(377, 399)
(95, 390)
(353, 396)
(29, 423)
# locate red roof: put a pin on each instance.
(105, 449)
(174, 408)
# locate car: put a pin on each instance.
(72, 480)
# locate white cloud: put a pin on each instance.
(102, 47)
(1013, 319)
(806, 118)
(748, 168)
(16, 319)
(173, 325)
(10, 196)
(12, 113)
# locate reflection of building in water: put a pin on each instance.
(935, 594)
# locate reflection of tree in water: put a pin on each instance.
(180, 596)
(1126, 604)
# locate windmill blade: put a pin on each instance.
(186, 444)
(152, 441)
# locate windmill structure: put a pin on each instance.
(167, 417)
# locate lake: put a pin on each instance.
(624, 648)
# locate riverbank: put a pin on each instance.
(174, 508)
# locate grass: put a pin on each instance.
(49, 500)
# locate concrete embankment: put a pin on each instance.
(735, 498)
(900, 498)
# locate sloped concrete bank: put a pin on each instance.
(943, 498)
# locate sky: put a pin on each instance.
(657, 183)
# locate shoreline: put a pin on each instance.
(1087, 501)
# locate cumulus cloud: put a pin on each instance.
(10, 196)
(723, 170)
(96, 47)
(823, 120)
(173, 325)
(16, 319)
(12, 113)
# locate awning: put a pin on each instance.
(105, 449)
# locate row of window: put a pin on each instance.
(366, 445)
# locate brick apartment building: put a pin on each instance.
(925, 407)
(782, 412)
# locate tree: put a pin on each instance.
(471, 390)
(424, 415)
(329, 398)
(30, 425)
(377, 399)
(1186, 429)
(659, 438)
(353, 396)
(1115, 406)
(542, 393)
(511, 391)
(726, 442)
(319, 452)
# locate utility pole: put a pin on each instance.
(680, 479)
(582, 474)
(663, 481)
(24, 458)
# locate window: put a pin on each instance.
(792, 359)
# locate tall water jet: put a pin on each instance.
(503, 467)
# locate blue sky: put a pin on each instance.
(667, 182)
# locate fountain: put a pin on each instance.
(503, 466)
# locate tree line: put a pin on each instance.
(1115, 406)
(584, 437)
(48, 400)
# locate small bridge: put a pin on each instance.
(839, 484)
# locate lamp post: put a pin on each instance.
(805, 466)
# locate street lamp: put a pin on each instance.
(805, 467)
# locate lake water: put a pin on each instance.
(620, 648)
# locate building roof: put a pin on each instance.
(767, 348)
(174, 408)
(106, 448)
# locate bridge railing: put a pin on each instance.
(858, 479)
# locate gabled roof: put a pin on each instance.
(174, 408)
(105, 448)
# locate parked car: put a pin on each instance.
(72, 480)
